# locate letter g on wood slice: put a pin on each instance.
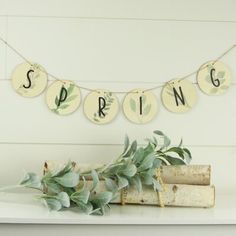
(214, 78)
(101, 106)
(179, 96)
(63, 97)
(140, 106)
(29, 80)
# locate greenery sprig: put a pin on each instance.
(66, 187)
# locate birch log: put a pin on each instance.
(185, 186)
(187, 174)
(178, 195)
(182, 174)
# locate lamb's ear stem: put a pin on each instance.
(11, 187)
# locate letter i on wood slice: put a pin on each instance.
(140, 106)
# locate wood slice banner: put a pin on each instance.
(214, 78)
(29, 80)
(63, 97)
(101, 106)
(140, 106)
(179, 96)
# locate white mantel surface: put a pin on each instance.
(24, 208)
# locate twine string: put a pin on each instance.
(123, 195)
(118, 92)
(124, 191)
(159, 193)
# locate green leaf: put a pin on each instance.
(96, 211)
(139, 155)
(181, 143)
(56, 101)
(126, 144)
(53, 204)
(65, 169)
(156, 185)
(174, 160)
(157, 163)
(152, 141)
(55, 111)
(158, 132)
(137, 182)
(111, 185)
(102, 198)
(31, 180)
(148, 149)
(87, 208)
(129, 170)
(95, 179)
(147, 109)
(131, 150)
(122, 182)
(208, 79)
(144, 98)
(96, 120)
(69, 180)
(210, 67)
(53, 187)
(115, 168)
(146, 178)
(64, 106)
(177, 150)
(166, 141)
(71, 98)
(82, 196)
(187, 155)
(132, 105)
(70, 89)
(64, 199)
(221, 74)
(147, 163)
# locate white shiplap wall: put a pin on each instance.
(118, 45)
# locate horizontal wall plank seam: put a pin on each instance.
(103, 144)
(120, 18)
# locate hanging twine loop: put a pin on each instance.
(159, 193)
(54, 77)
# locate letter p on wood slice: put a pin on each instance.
(63, 97)
(29, 80)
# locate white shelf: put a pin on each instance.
(25, 208)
